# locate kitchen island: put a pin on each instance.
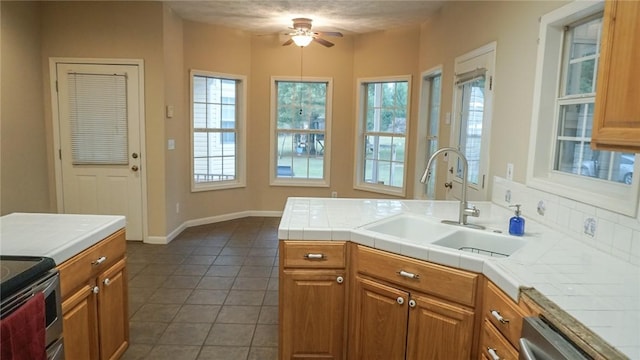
(90, 254)
(590, 293)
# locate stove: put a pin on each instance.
(16, 272)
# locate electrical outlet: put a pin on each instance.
(334, 194)
(510, 171)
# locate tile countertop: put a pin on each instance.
(599, 291)
(58, 236)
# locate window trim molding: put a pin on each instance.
(358, 165)
(325, 182)
(241, 148)
(540, 174)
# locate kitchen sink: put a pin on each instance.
(411, 228)
(482, 242)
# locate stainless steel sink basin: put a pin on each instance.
(482, 242)
(412, 228)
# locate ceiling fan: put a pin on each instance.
(303, 36)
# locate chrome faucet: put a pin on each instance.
(465, 210)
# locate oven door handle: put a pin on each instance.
(48, 286)
(525, 350)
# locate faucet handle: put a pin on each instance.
(472, 211)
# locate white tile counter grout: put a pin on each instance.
(599, 290)
(58, 236)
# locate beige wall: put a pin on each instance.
(23, 162)
(223, 50)
(463, 26)
(170, 47)
(131, 30)
(390, 53)
(175, 92)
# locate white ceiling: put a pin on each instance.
(346, 16)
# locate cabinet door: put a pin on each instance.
(312, 305)
(379, 324)
(438, 330)
(79, 325)
(617, 109)
(112, 311)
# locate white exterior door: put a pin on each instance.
(99, 139)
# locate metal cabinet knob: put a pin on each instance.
(99, 260)
(493, 353)
(497, 316)
(95, 290)
(339, 279)
(107, 282)
(400, 300)
(412, 303)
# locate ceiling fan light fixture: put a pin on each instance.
(302, 40)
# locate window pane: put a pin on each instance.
(578, 158)
(472, 116)
(575, 120)
(214, 149)
(301, 106)
(385, 112)
(580, 65)
(580, 79)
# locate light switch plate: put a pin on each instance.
(171, 144)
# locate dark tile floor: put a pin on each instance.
(212, 293)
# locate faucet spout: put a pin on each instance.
(465, 210)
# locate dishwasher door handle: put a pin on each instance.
(525, 350)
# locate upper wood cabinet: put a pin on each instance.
(617, 110)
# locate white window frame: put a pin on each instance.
(241, 147)
(604, 194)
(425, 137)
(274, 180)
(358, 182)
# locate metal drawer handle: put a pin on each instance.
(496, 314)
(314, 256)
(99, 261)
(408, 275)
(493, 353)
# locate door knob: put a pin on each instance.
(448, 185)
(134, 155)
(134, 168)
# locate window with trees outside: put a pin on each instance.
(217, 130)
(383, 119)
(301, 123)
(561, 159)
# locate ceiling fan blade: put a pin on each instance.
(322, 41)
(288, 42)
(330, 33)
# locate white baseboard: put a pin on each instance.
(209, 220)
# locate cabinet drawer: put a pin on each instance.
(447, 283)
(491, 339)
(314, 254)
(76, 271)
(498, 305)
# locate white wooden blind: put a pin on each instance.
(98, 111)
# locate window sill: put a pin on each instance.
(217, 186)
(380, 189)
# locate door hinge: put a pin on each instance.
(483, 181)
(490, 82)
(60, 153)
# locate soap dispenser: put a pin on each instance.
(516, 223)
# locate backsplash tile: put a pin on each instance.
(612, 233)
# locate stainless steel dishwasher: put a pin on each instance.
(540, 341)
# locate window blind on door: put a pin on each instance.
(98, 117)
